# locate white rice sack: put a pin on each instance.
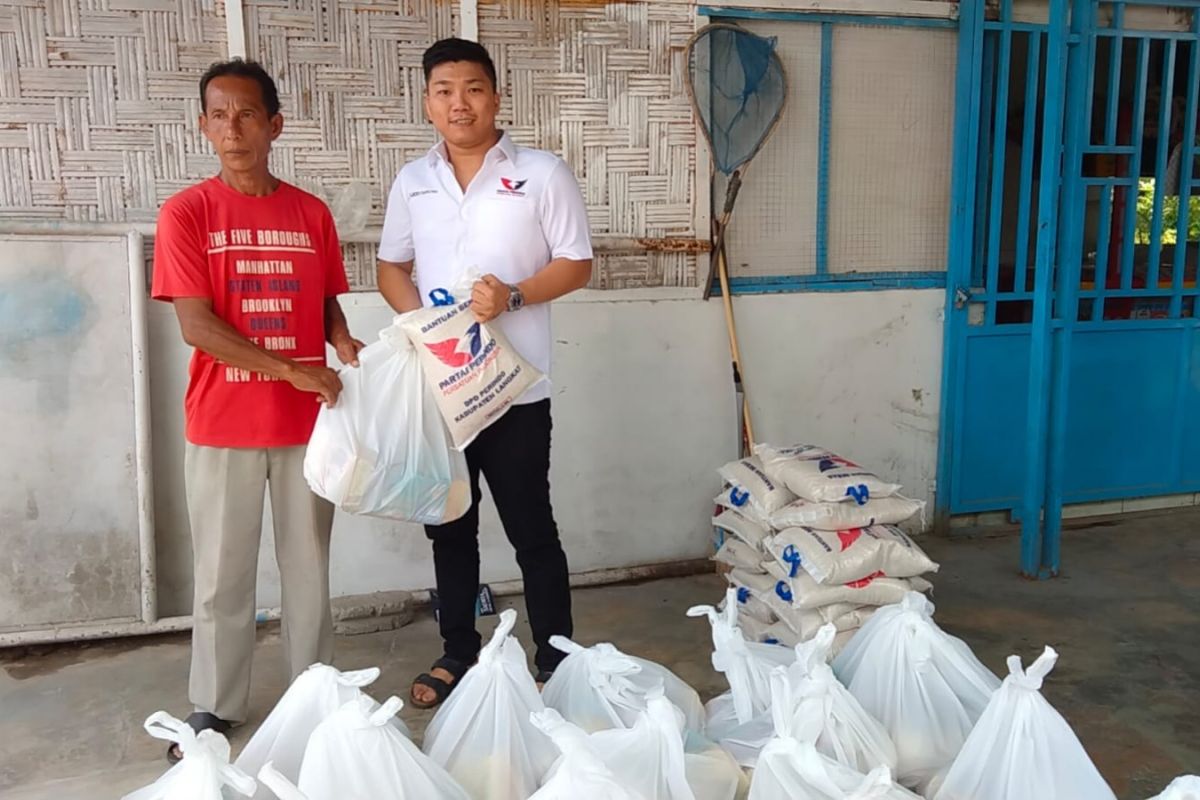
(731, 498)
(844, 516)
(820, 476)
(871, 591)
(736, 553)
(751, 606)
(755, 487)
(849, 555)
(925, 686)
(740, 525)
(475, 373)
(771, 591)
(807, 622)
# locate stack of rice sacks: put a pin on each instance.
(808, 538)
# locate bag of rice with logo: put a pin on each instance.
(754, 487)
(820, 476)
(845, 556)
(474, 372)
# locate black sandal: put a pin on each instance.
(198, 721)
(544, 677)
(441, 688)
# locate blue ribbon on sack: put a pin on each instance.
(441, 297)
(743, 594)
(738, 498)
(861, 493)
(792, 556)
(784, 591)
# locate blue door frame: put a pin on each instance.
(1071, 351)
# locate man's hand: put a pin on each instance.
(347, 348)
(489, 298)
(320, 380)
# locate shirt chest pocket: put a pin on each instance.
(509, 220)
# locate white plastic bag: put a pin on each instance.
(651, 757)
(754, 487)
(872, 591)
(736, 553)
(925, 686)
(579, 773)
(712, 772)
(482, 734)
(281, 738)
(746, 740)
(820, 476)
(1022, 748)
(203, 773)
(383, 450)
(844, 516)
(833, 557)
(791, 768)
(599, 687)
(358, 752)
(282, 788)
(746, 666)
(474, 372)
(847, 733)
(738, 523)
(1185, 787)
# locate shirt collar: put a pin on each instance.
(505, 148)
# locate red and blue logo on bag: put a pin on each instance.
(459, 352)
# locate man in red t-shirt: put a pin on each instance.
(253, 268)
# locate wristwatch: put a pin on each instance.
(516, 300)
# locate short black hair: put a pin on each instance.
(242, 68)
(446, 51)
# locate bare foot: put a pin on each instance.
(424, 694)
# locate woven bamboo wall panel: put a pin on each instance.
(350, 81)
(602, 84)
(98, 105)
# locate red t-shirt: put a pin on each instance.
(268, 264)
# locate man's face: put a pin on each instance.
(462, 103)
(237, 123)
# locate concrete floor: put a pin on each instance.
(1125, 619)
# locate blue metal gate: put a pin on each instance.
(1072, 360)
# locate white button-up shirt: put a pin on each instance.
(520, 212)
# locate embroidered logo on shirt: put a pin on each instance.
(420, 192)
(511, 187)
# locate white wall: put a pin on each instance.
(643, 414)
(858, 372)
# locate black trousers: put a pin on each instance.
(514, 456)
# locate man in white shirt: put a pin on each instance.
(516, 215)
